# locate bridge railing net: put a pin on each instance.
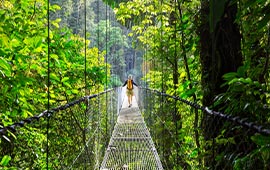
(209, 141)
(73, 136)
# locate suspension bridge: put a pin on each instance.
(114, 136)
(99, 131)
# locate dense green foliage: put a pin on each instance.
(25, 84)
(213, 52)
(186, 43)
(24, 61)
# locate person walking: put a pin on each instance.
(129, 82)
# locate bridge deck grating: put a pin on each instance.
(131, 146)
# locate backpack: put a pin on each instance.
(129, 85)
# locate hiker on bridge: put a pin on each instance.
(129, 82)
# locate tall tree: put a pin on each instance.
(220, 49)
(220, 42)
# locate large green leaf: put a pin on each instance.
(265, 20)
(5, 160)
(261, 140)
(5, 68)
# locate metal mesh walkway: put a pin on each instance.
(131, 146)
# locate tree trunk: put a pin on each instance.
(220, 54)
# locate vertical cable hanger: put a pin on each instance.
(175, 86)
(154, 66)
(113, 81)
(148, 64)
(106, 73)
(110, 80)
(85, 49)
(145, 72)
(85, 82)
(98, 98)
(147, 60)
(213, 63)
(48, 85)
(162, 79)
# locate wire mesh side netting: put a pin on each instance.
(77, 136)
(159, 120)
(185, 141)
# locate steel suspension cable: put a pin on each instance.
(234, 119)
(48, 113)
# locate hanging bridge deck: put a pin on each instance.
(131, 146)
